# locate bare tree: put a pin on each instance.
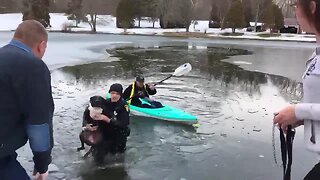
(11, 6)
(262, 9)
(139, 8)
(74, 11)
(6, 6)
(287, 10)
(258, 5)
(152, 10)
(222, 7)
(92, 8)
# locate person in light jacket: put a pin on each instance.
(307, 112)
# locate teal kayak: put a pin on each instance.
(166, 112)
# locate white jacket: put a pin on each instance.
(309, 109)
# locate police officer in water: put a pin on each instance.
(116, 124)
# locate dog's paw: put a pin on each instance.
(80, 148)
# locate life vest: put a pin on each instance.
(132, 92)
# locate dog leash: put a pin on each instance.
(274, 145)
(286, 151)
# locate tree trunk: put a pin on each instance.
(257, 16)
(187, 27)
(165, 22)
(153, 23)
(222, 24)
(95, 23)
(233, 30)
(139, 22)
(288, 9)
(299, 30)
(91, 22)
(90, 25)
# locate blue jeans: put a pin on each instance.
(11, 169)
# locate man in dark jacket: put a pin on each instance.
(26, 103)
(116, 124)
(139, 90)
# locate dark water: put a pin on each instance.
(234, 108)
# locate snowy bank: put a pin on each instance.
(107, 24)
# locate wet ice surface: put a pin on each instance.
(234, 107)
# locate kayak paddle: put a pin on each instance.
(180, 71)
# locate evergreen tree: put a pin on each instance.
(214, 16)
(247, 7)
(235, 16)
(267, 15)
(37, 10)
(125, 14)
(279, 19)
(186, 13)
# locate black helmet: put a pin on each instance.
(140, 79)
(116, 88)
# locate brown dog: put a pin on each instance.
(90, 134)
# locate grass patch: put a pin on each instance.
(125, 33)
(232, 34)
(268, 35)
(309, 36)
(186, 34)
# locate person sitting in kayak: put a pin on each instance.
(138, 93)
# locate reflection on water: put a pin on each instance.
(234, 108)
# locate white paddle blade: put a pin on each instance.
(182, 70)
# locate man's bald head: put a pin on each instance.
(31, 33)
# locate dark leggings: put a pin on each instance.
(314, 174)
(116, 145)
(154, 104)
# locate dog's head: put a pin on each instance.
(96, 103)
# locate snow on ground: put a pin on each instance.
(107, 24)
(9, 22)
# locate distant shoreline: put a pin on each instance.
(189, 35)
(184, 36)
